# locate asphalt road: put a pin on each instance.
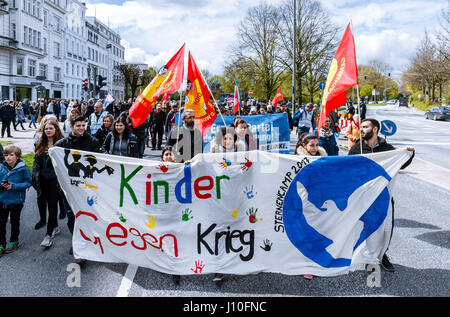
(419, 251)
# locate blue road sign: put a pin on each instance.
(322, 85)
(388, 128)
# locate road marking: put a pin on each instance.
(127, 281)
(419, 143)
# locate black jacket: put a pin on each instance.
(382, 146)
(7, 113)
(157, 120)
(86, 142)
(102, 133)
(42, 168)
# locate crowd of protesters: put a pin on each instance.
(93, 126)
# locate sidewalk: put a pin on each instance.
(22, 139)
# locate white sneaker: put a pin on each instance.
(47, 242)
(55, 232)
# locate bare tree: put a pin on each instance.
(316, 44)
(429, 67)
(258, 47)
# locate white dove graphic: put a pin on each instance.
(342, 227)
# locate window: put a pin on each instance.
(30, 36)
(45, 18)
(19, 62)
(34, 38)
(57, 26)
(31, 68)
(57, 49)
(13, 31)
(43, 70)
(45, 45)
(57, 73)
(25, 35)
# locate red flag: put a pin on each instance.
(168, 80)
(197, 98)
(165, 97)
(278, 97)
(342, 75)
(237, 99)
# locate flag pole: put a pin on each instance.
(178, 126)
(357, 96)
(215, 102)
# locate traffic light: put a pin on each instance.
(101, 81)
(85, 84)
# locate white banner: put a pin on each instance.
(235, 213)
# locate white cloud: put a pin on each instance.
(152, 31)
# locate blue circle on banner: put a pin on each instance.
(387, 127)
(321, 186)
(322, 85)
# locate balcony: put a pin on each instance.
(4, 9)
(8, 43)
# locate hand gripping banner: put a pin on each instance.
(235, 213)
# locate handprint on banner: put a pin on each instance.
(163, 168)
(249, 192)
(186, 216)
(267, 245)
(251, 213)
(234, 211)
(225, 163)
(151, 222)
(199, 266)
(121, 217)
(92, 200)
(246, 165)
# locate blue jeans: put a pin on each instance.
(21, 124)
(33, 120)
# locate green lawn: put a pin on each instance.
(28, 159)
(5, 143)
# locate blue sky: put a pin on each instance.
(153, 30)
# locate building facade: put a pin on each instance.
(104, 55)
(49, 47)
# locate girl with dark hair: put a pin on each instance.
(45, 181)
(168, 154)
(226, 141)
(308, 145)
(120, 141)
(245, 135)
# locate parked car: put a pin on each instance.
(438, 113)
(403, 102)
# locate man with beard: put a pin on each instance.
(186, 139)
(372, 143)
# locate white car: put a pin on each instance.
(392, 101)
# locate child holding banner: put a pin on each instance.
(168, 155)
(227, 141)
(308, 145)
